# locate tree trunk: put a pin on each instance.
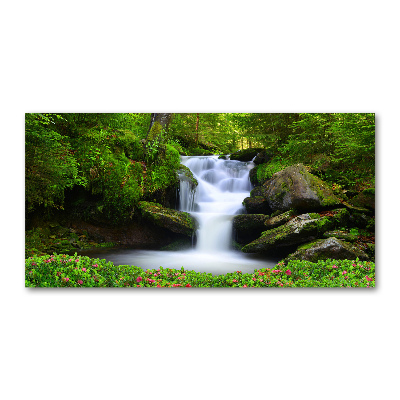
(162, 118)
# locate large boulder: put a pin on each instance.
(295, 188)
(331, 248)
(175, 221)
(301, 229)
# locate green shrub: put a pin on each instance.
(265, 171)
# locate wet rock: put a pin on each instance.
(331, 248)
(301, 229)
(186, 174)
(257, 205)
(253, 176)
(294, 187)
(248, 227)
(279, 219)
(175, 221)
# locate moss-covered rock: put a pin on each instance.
(279, 219)
(253, 176)
(175, 221)
(300, 229)
(248, 227)
(365, 199)
(294, 187)
(245, 154)
(370, 250)
(362, 220)
(331, 248)
(186, 174)
(257, 191)
(341, 234)
(257, 205)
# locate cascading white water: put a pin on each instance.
(222, 187)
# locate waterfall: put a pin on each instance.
(222, 187)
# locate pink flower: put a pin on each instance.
(95, 265)
(34, 264)
(84, 269)
(66, 279)
(334, 266)
(80, 282)
(139, 279)
(344, 272)
(368, 278)
(234, 280)
(288, 272)
(77, 260)
(244, 285)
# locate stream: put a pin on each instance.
(222, 187)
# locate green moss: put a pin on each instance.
(314, 215)
(183, 169)
(176, 221)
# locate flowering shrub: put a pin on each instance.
(80, 271)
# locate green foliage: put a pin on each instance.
(167, 159)
(50, 167)
(215, 133)
(265, 171)
(268, 130)
(80, 271)
(340, 147)
(102, 152)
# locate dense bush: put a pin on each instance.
(80, 271)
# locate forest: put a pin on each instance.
(110, 181)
